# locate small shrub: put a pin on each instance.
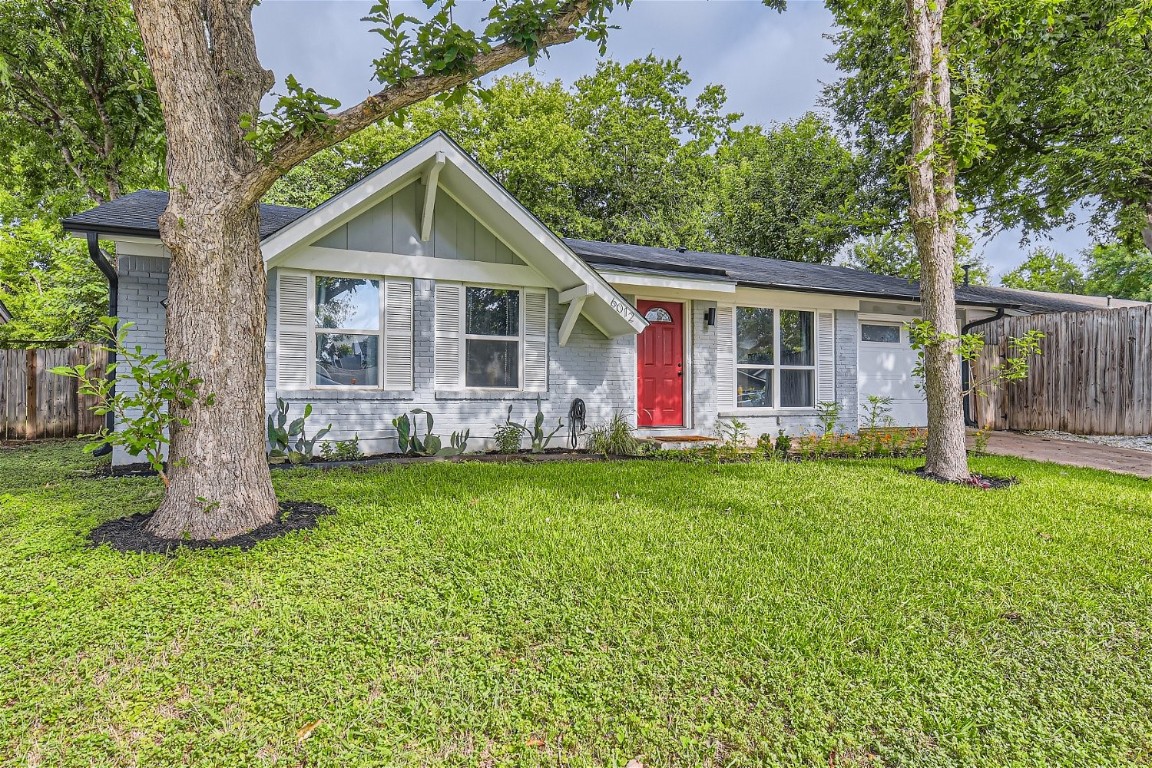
(877, 412)
(733, 433)
(783, 444)
(879, 444)
(143, 415)
(980, 442)
(615, 438)
(507, 437)
(766, 444)
(342, 450)
(828, 412)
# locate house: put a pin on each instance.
(428, 285)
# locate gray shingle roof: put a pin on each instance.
(138, 213)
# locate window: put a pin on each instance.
(880, 333)
(347, 332)
(775, 358)
(658, 315)
(492, 338)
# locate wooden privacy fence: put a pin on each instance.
(36, 403)
(1094, 377)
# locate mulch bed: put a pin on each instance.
(127, 534)
(983, 482)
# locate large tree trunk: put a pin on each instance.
(932, 186)
(203, 58)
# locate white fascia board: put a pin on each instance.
(631, 279)
(778, 299)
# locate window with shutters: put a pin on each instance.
(341, 331)
(775, 358)
(492, 338)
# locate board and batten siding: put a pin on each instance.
(393, 226)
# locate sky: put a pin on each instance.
(771, 64)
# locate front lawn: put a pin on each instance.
(587, 614)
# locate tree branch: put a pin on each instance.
(291, 151)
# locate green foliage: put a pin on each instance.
(788, 192)
(298, 112)
(877, 410)
(828, 413)
(1046, 270)
(287, 439)
(1052, 104)
(536, 435)
(733, 434)
(1014, 367)
(868, 444)
(1121, 271)
(410, 442)
(143, 412)
(508, 438)
(614, 438)
(893, 253)
(342, 450)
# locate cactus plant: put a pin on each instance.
(410, 442)
(535, 433)
(287, 439)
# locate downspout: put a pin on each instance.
(102, 263)
(965, 373)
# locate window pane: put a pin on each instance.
(796, 338)
(796, 389)
(753, 387)
(885, 334)
(492, 363)
(753, 335)
(347, 302)
(493, 312)
(347, 360)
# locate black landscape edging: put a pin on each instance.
(127, 534)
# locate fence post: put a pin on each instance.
(32, 424)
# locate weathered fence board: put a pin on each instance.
(1094, 377)
(36, 403)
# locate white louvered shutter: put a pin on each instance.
(397, 334)
(449, 335)
(535, 340)
(725, 358)
(292, 330)
(825, 357)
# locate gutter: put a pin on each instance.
(100, 259)
(965, 368)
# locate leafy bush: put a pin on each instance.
(828, 412)
(871, 444)
(141, 412)
(615, 438)
(877, 412)
(508, 437)
(342, 450)
(733, 433)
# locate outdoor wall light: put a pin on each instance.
(710, 317)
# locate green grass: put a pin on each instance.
(819, 614)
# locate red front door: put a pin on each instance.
(660, 364)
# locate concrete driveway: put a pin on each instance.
(1074, 454)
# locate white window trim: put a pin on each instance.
(465, 337)
(775, 367)
(315, 330)
(886, 323)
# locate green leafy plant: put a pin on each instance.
(143, 413)
(408, 436)
(877, 412)
(980, 442)
(614, 438)
(1013, 367)
(342, 450)
(507, 437)
(287, 439)
(535, 433)
(783, 444)
(828, 412)
(733, 433)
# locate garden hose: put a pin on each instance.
(576, 423)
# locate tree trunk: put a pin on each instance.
(1147, 232)
(933, 211)
(203, 59)
(220, 483)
